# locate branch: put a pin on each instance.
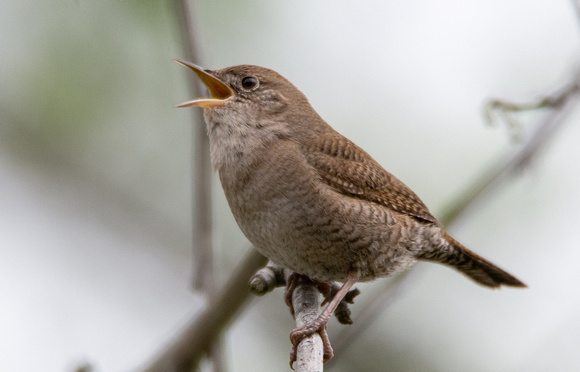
(563, 101)
(203, 270)
(186, 351)
(268, 278)
(201, 180)
(305, 300)
(306, 305)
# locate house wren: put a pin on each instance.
(311, 200)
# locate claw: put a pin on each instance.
(297, 335)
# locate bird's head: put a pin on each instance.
(250, 96)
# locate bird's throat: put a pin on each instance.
(231, 144)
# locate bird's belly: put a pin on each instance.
(325, 237)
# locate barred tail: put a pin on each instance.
(471, 264)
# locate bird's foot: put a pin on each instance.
(317, 326)
(342, 312)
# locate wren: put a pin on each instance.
(311, 200)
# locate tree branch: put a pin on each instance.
(563, 101)
(268, 278)
(203, 279)
(305, 300)
(201, 172)
(186, 351)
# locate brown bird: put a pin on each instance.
(311, 200)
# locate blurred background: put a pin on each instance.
(95, 175)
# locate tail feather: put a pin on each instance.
(477, 268)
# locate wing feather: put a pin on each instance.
(351, 171)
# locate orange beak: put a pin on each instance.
(219, 91)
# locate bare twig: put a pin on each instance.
(268, 278)
(516, 159)
(203, 273)
(305, 300)
(186, 351)
(202, 263)
(497, 110)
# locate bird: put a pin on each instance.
(311, 200)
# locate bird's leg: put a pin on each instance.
(342, 312)
(319, 324)
(291, 284)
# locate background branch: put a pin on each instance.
(202, 248)
(201, 172)
(563, 101)
(186, 351)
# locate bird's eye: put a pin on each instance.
(249, 82)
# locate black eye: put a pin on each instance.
(249, 82)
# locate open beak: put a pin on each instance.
(219, 91)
